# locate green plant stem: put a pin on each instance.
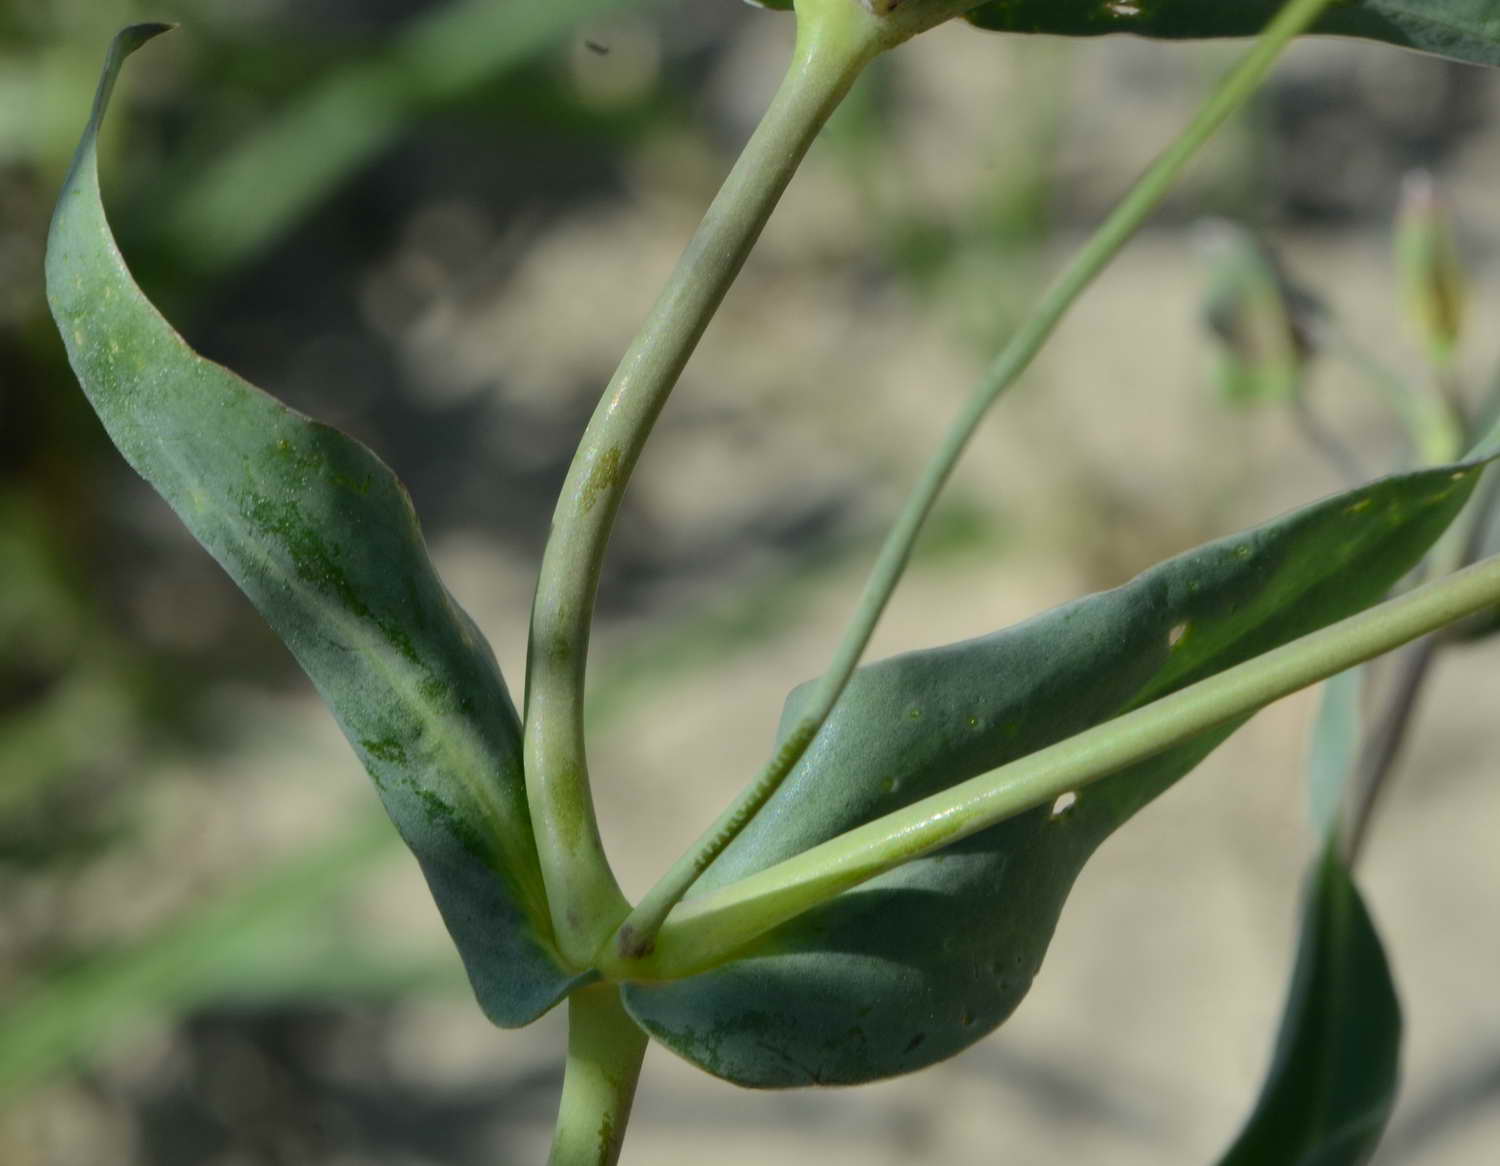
(1461, 545)
(1381, 748)
(585, 900)
(1329, 445)
(1435, 432)
(605, 1050)
(637, 934)
(703, 931)
(1448, 385)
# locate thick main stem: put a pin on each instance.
(636, 935)
(605, 1050)
(586, 902)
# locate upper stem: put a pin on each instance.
(586, 902)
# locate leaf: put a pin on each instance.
(1465, 30)
(1333, 1076)
(1337, 735)
(919, 963)
(322, 538)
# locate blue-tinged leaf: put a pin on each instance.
(322, 538)
(1465, 30)
(1333, 1077)
(921, 962)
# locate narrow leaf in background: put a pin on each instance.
(322, 538)
(1333, 1077)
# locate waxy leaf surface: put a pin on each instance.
(1465, 30)
(322, 538)
(919, 963)
(1333, 1077)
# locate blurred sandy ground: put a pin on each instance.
(830, 374)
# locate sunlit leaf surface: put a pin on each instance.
(322, 538)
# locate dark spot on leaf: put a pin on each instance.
(915, 1043)
(316, 562)
(385, 749)
(440, 813)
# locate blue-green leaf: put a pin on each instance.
(919, 963)
(322, 538)
(1333, 1077)
(1465, 30)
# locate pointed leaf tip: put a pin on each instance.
(1335, 1071)
(321, 536)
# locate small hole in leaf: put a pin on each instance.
(973, 722)
(891, 784)
(1177, 634)
(1063, 804)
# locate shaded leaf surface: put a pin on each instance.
(322, 538)
(1465, 30)
(1333, 1077)
(919, 963)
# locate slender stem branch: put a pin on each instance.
(703, 931)
(585, 900)
(1461, 545)
(1381, 749)
(1435, 432)
(637, 934)
(605, 1050)
(1449, 388)
(1333, 448)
